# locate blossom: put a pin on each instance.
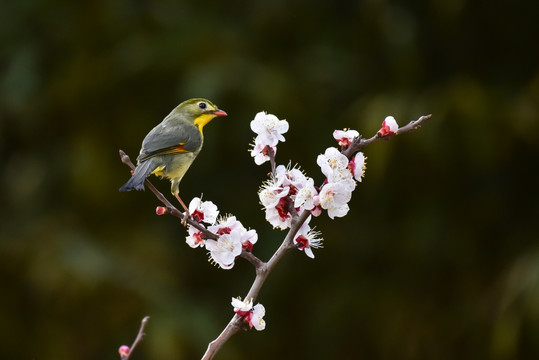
(334, 166)
(195, 238)
(248, 238)
(307, 238)
(205, 211)
(228, 224)
(269, 128)
(334, 198)
(273, 196)
(389, 126)
(225, 249)
(357, 166)
(242, 307)
(257, 317)
(287, 191)
(260, 152)
(271, 193)
(345, 137)
(251, 315)
(305, 195)
(225, 225)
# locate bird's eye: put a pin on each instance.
(202, 105)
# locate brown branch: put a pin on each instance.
(359, 143)
(249, 256)
(262, 272)
(170, 209)
(138, 339)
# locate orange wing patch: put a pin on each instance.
(174, 149)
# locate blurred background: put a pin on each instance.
(437, 259)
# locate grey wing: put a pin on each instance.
(169, 139)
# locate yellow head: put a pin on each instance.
(198, 111)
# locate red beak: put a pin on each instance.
(219, 113)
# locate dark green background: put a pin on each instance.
(438, 258)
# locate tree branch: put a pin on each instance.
(138, 339)
(359, 142)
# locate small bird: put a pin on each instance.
(170, 148)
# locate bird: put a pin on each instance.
(170, 148)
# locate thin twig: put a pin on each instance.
(359, 143)
(138, 339)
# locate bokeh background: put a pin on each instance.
(437, 259)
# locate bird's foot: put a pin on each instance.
(186, 215)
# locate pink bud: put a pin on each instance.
(160, 210)
(316, 211)
(124, 350)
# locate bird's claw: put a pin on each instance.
(186, 216)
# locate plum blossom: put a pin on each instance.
(389, 126)
(226, 225)
(358, 166)
(307, 239)
(288, 191)
(334, 166)
(195, 238)
(345, 137)
(225, 249)
(257, 317)
(260, 153)
(269, 130)
(306, 195)
(203, 211)
(334, 198)
(251, 315)
(241, 307)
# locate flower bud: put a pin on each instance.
(160, 210)
(124, 350)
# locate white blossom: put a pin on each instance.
(345, 137)
(307, 239)
(195, 238)
(305, 195)
(269, 128)
(257, 320)
(205, 211)
(225, 249)
(260, 152)
(241, 305)
(358, 166)
(334, 198)
(389, 126)
(252, 315)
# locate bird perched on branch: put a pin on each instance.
(170, 148)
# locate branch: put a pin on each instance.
(138, 339)
(262, 272)
(169, 208)
(359, 143)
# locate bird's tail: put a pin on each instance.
(141, 173)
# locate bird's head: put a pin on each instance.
(199, 111)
